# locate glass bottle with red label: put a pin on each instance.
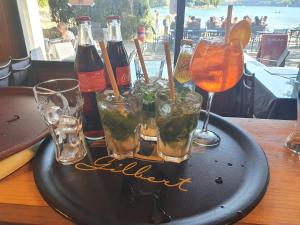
(117, 53)
(90, 73)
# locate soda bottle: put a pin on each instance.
(182, 73)
(117, 53)
(90, 73)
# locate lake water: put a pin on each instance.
(278, 17)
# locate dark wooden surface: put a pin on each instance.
(47, 70)
(11, 39)
(20, 201)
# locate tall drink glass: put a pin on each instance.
(176, 122)
(121, 123)
(148, 93)
(216, 66)
(60, 103)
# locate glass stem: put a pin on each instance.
(208, 106)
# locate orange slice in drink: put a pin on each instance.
(240, 31)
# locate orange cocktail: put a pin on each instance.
(217, 66)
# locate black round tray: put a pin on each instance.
(227, 182)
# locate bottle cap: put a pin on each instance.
(112, 17)
(186, 42)
(83, 18)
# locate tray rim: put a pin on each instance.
(230, 219)
(31, 141)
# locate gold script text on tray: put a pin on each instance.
(105, 164)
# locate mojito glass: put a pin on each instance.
(148, 93)
(176, 121)
(121, 123)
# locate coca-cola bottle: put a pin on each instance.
(90, 73)
(117, 53)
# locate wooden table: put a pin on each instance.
(20, 201)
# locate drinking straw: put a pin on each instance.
(228, 22)
(141, 58)
(170, 74)
(110, 71)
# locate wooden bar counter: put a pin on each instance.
(21, 203)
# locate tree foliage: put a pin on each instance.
(42, 3)
(61, 11)
(132, 15)
(158, 3)
(270, 3)
(214, 3)
(289, 2)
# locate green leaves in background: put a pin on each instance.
(134, 13)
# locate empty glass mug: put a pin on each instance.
(60, 104)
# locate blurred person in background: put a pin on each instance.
(66, 34)
(166, 24)
(156, 21)
(235, 20)
(248, 18)
(194, 23)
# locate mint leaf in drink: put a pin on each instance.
(148, 110)
(176, 126)
(121, 126)
(149, 96)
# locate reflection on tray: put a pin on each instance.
(145, 153)
(139, 167)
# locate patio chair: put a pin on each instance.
(138, 70)
(294, 37)
(280, 31)
(193, 30)
(226, 103)
(20, 68)
(247, 92)
(273, 49)
(5, 74)
(159, 39)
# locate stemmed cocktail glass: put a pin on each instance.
(216, 66)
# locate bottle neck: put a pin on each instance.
(114, 30)
(85, 33)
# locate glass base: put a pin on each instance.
(94, 135)
(148, 138)
(71, 155)
(297, 151)
(122, 156)
(94, 138)
(206, 138)
(292, 142)
(295, 148)
(173, 159)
